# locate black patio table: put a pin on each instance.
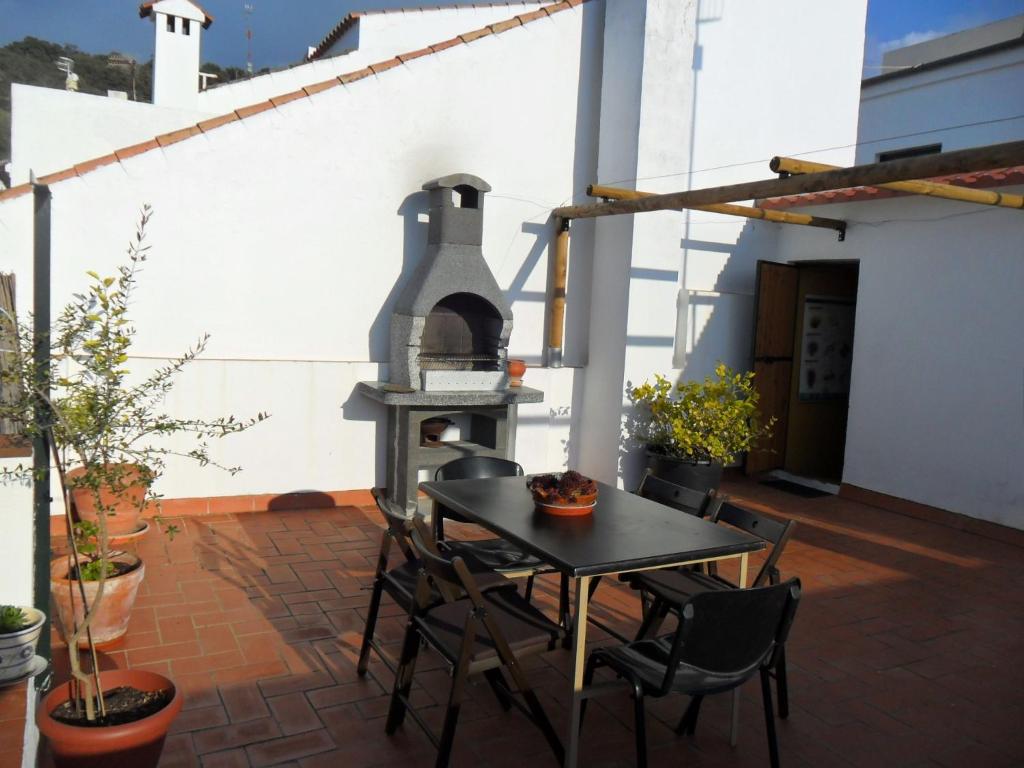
(624, 533)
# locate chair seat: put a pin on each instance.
(400, 582)
(646, 661)
(496, 554)
(524, 627)
(676, 586)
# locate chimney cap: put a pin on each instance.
(146, 9)
(458, 180)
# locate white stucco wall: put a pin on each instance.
(966, 104)
(292, 264)
(937, 393)
(52, 130)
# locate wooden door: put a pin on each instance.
(774, 318)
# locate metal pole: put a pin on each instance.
(40, 442)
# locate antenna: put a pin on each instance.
(248, 8)
(67, 66)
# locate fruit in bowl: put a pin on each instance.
(563, 493)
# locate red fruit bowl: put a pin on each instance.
(568, 494)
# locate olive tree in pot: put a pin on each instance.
(111, 427)
(692, 429)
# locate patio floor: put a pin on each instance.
(905, 651)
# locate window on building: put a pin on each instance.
(902, 154)
(186, 25)
(12, 442)
(170, 23)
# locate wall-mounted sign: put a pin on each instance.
(826, 348)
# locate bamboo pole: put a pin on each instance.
(747, 211)
(929, 188)
(942, 164)
(556, 329)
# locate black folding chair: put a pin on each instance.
(722, 640)
(399, 580)
(501, 555)
(483, 632)
(671, 587)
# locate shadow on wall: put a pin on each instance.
(414, 244)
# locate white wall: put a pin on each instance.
(720, 95)
(52, 129)
(380, 36)
(293, 263)
(984, 94)
(937, 392)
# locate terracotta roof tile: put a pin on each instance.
(216, 122)
(277, 101)
(17, 191)
(166, 139)
(351, 77)
(147, 8)
(383, 66)
(253, 109)
(96, 162)
(135, 149)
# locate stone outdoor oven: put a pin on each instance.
(449, 349)
(452, 323)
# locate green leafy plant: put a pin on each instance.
(12, 619)
(101, 417)
(710, 421)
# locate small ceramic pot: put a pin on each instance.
(111, 620)
(17, 649)
(137, 744)
(516, 369)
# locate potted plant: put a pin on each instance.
(692, 429)
(19, 633)
(110, 427)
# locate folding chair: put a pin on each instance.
(722, 640)
(483, 632)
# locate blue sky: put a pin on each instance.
(282, 29)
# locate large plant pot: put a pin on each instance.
(137, 744)
(111, 620)
(700, 476)
(18, 649)
(127, 505)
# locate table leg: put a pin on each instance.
(734, 729)
(579, 659)
(743, 571)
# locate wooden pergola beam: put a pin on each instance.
(746, 211)
(943, 164)
(917, 187)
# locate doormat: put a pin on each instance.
(795, 488)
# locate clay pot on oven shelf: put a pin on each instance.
(110, 623)
(125, 503)
(516, 370)
(137, 744)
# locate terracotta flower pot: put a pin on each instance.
(127, 504)
(111, 620)
(17, 649)
(516, 370)
(137, 744)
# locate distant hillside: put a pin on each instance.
(34, 62)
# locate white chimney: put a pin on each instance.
(178, 26)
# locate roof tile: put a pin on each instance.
(136, 149)
(96, 162)
(502, 26)
(277, 101)
(382, 66)
(404, 57)
(253, 109)
(309, 90)
(216, 122)
(526, 18)
(166, 139)
(18, 191)
(53, 178)
(351, 77)
(443, 46)
(476, 34)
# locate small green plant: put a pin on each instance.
(12, 619)
(710, 421)
(91, 565)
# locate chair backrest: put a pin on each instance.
(684, 499)
(398, 527)
(477, 467)
(765, 528)
(731, 632)
(451, 577)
